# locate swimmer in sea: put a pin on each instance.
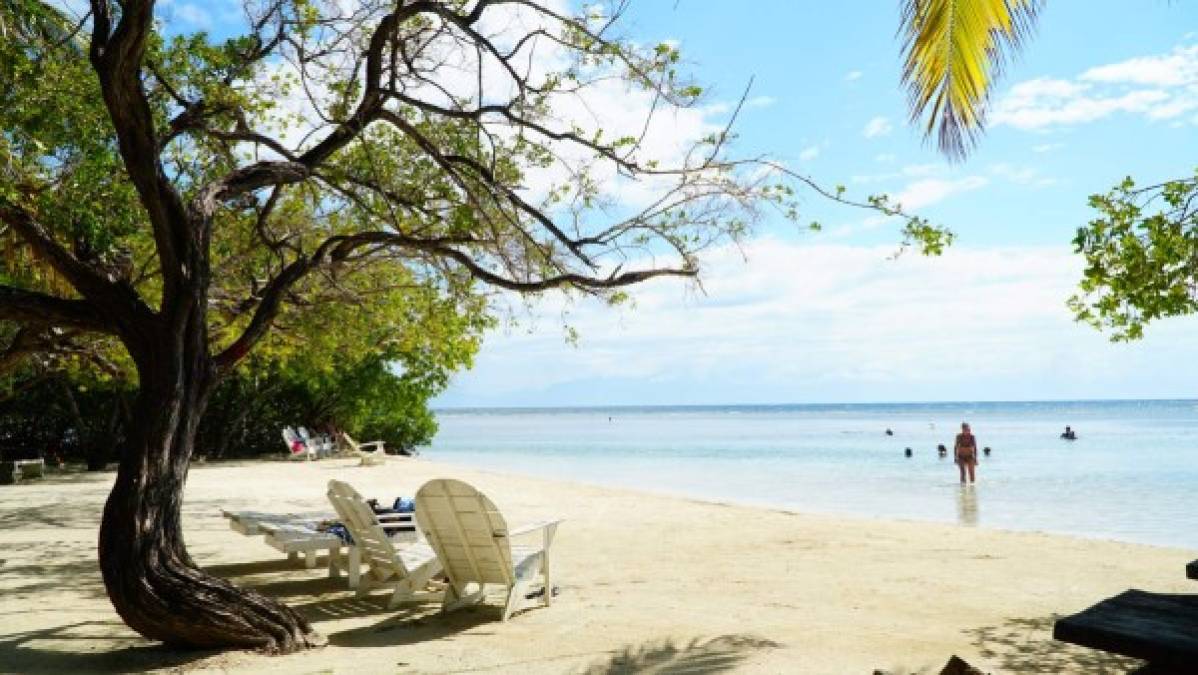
(965, 450)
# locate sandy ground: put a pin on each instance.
(648, 583)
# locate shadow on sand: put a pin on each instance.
(21, 653)
(409, 623)
(1026, 646)
(699, 656)
(57, 567)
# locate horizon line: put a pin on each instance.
(615, 406)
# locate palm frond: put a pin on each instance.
(953, 53)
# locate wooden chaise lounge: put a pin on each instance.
(1160, 628)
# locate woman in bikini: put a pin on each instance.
(966, 452)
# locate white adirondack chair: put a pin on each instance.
(368, 457)
(291, 438)
(406, 568)
(474, 545)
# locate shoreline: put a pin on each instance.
(947, 486)
(646, 579)
(814, 513)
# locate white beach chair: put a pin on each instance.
(321, 445)
(407, 568)
(291, 438)
(295, 534)
(474, 545)
(368, 457)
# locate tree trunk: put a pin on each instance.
(151, 579)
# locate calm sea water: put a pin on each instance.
(1132, 474)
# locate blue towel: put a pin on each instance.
(403, 505)
(342, 532)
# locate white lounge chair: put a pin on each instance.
(406, 568)
(473, 542)
(291, 439)
(368, 457)
(296, 534)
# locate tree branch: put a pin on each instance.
(338, 247)
(31, 308)
(83, 278)
(117, 56)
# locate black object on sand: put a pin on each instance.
(1160, 628)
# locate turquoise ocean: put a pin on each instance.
(1132, 475)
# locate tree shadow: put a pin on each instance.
(1026, 645)
(290, 588)
(666, 657)
(57, 567)
(48, 515)
(351, 607)
(22, 653)
(409, 623)
(247, 569)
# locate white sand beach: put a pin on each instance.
(647, 581)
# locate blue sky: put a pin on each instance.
(1105, 89)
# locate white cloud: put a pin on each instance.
(1040, 104)
(885, 158)
(930, 191)
(809, 153)
(1159, 87)
(1180, 67)
(760, 102)
(789, 321)
(853, 75)
(878, 126)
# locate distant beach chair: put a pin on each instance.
(369, 457)
(296, 447)
(407, 569)
(322, 446)
(473, 542)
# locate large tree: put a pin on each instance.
(449, 139)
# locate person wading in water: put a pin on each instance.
(966, 452)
